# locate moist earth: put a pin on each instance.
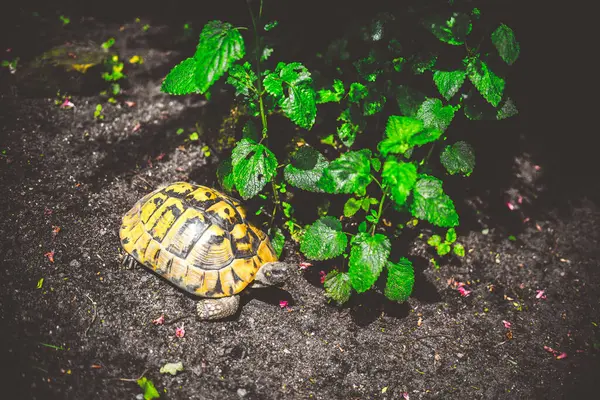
(76, 323)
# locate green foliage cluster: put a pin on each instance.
(394, 171)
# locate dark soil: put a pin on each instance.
(86, 330)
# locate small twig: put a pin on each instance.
(93, 316)
(132, 379)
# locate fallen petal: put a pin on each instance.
(136, 127)
(540, 294)
(305, 265)
(180, 332)
(561, 356)
(506, 324)
(283, 303)
(323, 275)
(160, 320)
(510, 205)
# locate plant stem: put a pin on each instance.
(263, 116)
(276, 201)
(379, 212)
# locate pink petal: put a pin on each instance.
(159, 157)
(405, 396)
(540, 294)
(130, 103)
(67, 104)
(283, 303)
(510, 205)
(537, 167)
(323, 275)
(180, 332)
(506, 324)
(305, 265)
(561, 356)
(136, 127)
(550, 350)
(160, 320)
(526, 220)
(464, 292)
(520, 199)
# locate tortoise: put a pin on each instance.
(199, 239)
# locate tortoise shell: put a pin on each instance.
(197, 238)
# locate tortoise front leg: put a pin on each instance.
(211, 309)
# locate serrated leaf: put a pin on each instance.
(431, 204)
(337, 286)
(334, 95)
(451, 235)
(242, 78)
(506, 44)
(254, 166)
(434, 240)
(409, 100)
(459, 249)
(368, 255)
(349, 174)
(225, 174)
(347, 133)
(376, 164)
(351, 206)
(277, 241)
(400, 178)
(220, 46)
(291, 85)
(306, 169)
(452, 29)
(147, 386)
(458, 158)
(490, 85)
(180, 79)
(373, 104)
(357, 92)
(398, 131)
(435, 115)
(507, 110)
(400, 280)
(324, 239)
(449, 82)
(171, 368)
(443, 249)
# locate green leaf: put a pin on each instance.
(507, 110)
(306, 169)
(331, 96)
(147, 386)
(362, 227)
(459, 250)
(324, 239)
(452, 29)
(434, 240)
(506, 44)
(171, 368)
(449, 82)
(398, 131)
(220, 46)
(254, 166)
(351, 207)
(242, 78)
(409, 100)
(347, 133)
(458, 158)
(435, 115)
(490, 85)
(431, 204)
(400, 178)
(400, 280)
(357, 92)
(225, 174)
(451, 236)
(298, 102)
(349, 174)
(271, 25)
(443, 249)
(277, 240)
(367, 258)
(376, 164)
(181, 79)
(337, 286)
(373, 104)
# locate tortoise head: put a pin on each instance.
(272, 274)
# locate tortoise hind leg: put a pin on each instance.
(211, 309)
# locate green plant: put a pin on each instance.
(397, 173)
(98, 112)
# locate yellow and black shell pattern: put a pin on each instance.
(197, 238)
